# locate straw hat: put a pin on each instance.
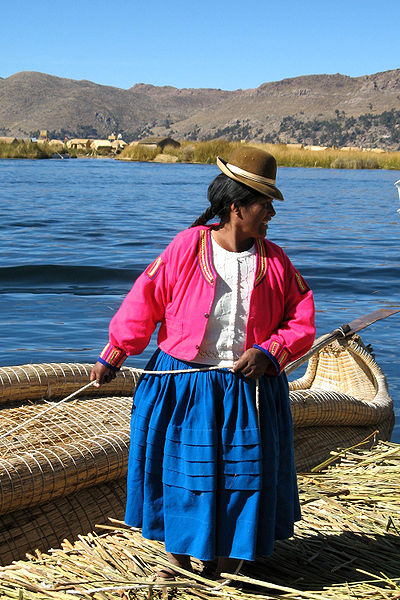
(253, 167)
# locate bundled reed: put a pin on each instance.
(51, 424)
(35, 477)
(57, 380)
(48, 450)
(46, 525)
(346, 546)
(342, 398)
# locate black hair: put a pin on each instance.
(223, 192)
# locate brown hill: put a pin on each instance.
(31, 101)
(328, 109)
(310, 103)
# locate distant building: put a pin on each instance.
(79, 144)
(118, 145)
(13, 140)
(50, 142)
(316, 148)
(101, 145)
(159, 142)
(7, 139)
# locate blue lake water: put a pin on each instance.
(74, 234)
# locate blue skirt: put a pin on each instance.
(202, 476)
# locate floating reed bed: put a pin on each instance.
(332, 158)
(347, 546)
(25, 149)
(286, 155)
(54, 447)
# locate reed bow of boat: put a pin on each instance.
(342, 398)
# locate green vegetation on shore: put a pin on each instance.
(333, 158)
(140, 153)
(188, 152)
(28, 149)
(206, 153)
(286, 155)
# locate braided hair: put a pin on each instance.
(223, 192)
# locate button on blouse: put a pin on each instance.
(225, 335)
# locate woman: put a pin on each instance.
(211, 471)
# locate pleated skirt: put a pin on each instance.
(203, 476)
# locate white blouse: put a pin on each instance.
(225, 335)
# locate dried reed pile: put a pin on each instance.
(346, 546)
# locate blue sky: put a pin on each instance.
(228, 45)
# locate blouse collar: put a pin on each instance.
(205, 262)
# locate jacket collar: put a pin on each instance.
(204, 258)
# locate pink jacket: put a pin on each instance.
(177, 290)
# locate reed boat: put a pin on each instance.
(341, 400)
(63, 463)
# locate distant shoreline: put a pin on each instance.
(287, 155)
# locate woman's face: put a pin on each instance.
(253, 219)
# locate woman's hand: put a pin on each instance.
(254, 363)
(101, 374)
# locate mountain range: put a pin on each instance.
(314, 109)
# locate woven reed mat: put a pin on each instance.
(346, 546)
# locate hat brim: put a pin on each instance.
(266, 189)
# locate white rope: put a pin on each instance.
(200, 369)
(46, 410)
(142, 371)
(258, 402)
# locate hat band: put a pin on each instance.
(248, 175)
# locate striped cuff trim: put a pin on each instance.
(271, 358)
(106, 364)
(280, 353)
(112, 356)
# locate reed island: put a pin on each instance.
(199, 152)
